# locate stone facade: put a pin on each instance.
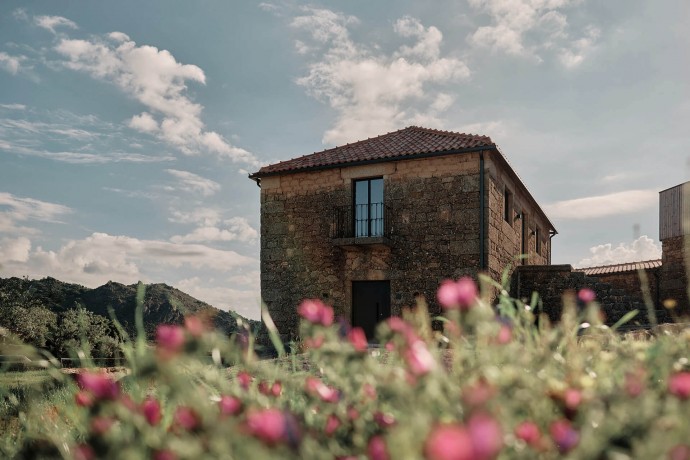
(674, 279)
(435, 231)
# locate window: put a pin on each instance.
(508, 206)
(368, 207)
(537, 236)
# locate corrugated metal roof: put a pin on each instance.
(409, 141)
(620, 268)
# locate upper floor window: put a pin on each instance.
(508, 206)
(369, 210)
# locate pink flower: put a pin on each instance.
(586, 295)
(679, 452)
(84, 399)
(277, 388)
(352, 414)
(419, 360)
(268, 425)
(84, 452)
(316, 312)
(320, 389)
(186, 418)
(101, 425)
(170, 338)
(572, 398)
(314, 342)
(229, 405)
(99, 385)
(152, 411)
(505, 335)
(634, 383)
(377, 449)
(487, 437)
(449, 442)
(332, 424)
(164, 454)
(564, 435)
(244, 379)
(478, 393)
(195, 326)
(528, 432)
(358, 339)
(461, 294)
(679, 385)
(384, 420)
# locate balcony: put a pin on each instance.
(362, 224)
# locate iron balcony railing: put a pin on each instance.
(362, 221)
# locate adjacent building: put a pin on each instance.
(369, 226)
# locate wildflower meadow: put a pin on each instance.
(490, 382)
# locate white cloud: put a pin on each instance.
(144, 123)
(14, 249)
(13, 106)
(155, 79)
(603, 205)
(191, 181)
(100, 257)
(14, 209)
(643, 248)
(529, 27)
(51, 22)
(234, 229)
(11, 64)
(373, 92)
(201, 216)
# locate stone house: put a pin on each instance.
(369, 226)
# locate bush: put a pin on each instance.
(507, 385)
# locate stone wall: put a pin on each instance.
(674, 279)
(505, 236)
(615, 298)
(435, 214)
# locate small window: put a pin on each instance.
(368, 215)
(537, 236)
(508, 206)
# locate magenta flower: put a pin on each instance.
(377, 449)
(457, 295)
(152, 411)
(572, 398)
(679, 385)
(332, 424)
(170, 338)
(679, 452)
(99, 385)
(324, 392)
(316, 312)
(229, 405)
(419, 360)
(586, 295)
(244, 379)
(449, 442)
(101, 425)
(269, 425)
(564, 435)
(83, 399)
(384, 420)
(186, 418)
(83, 452)
(487, 436)
(358, 339)
(505, 335)
(528, 432)
(164, 454)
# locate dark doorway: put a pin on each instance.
(371, 303)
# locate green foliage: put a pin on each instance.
(587, 391)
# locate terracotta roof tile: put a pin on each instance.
(620, 268)
(410, 141)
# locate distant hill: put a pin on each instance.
(162, 304)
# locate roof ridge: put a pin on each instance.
(618, 264)
(447, 132)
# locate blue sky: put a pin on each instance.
(127, 129)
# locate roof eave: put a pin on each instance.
(481, 148)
